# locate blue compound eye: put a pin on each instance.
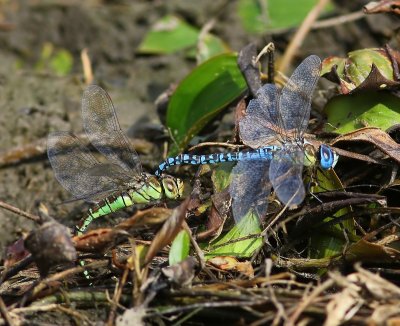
(327, 157)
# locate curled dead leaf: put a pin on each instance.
(376, 137)
(151, 216)
(383, 6)
(182, 273)
(366, 69)
(228, 263)
(95, 241)
(168, 231)
(50, 245)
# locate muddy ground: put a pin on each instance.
(33, 103)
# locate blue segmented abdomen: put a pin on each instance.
(264, 153)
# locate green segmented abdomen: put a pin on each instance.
(105, 207)
(109, 205)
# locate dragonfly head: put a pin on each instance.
(173, 187)
(327, 157)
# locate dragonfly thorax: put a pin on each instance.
(148, 189)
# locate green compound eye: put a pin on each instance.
(173, 188)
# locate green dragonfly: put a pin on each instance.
(110, 186)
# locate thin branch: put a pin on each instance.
(20, 212)
(301, 34)
(339, 20)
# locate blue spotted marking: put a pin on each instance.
(261, 153)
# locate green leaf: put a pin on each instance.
(261, 16)
(179, 248)
(61, 63)
(323, 246)
(222, 176)
(327, 180)
(351, 112)
(366, 69)
(201, 96)
(329, 241)
(210, 46)
(249, 225)
(168, 35)
(58, 61)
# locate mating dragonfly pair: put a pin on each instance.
(278, 117)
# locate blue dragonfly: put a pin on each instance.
(273, 127)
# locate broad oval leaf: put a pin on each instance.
(261, 16)
(249, 225)
(329, 242)
(168, 35)
(171, 34)
(201, 96)
(373, 109)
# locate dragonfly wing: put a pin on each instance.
(295, 98)
(250, 188)
(76, 168)
(259, 125)
(102, 127)
(285, 173)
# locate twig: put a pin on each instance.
(307, 301)
(37, 150)
(338, 20)
(24, 152)
(49, 307)
(117, 296)
(86, 66)
(301, 34)
(233, 146)
(62, 275)
(4, 313)
(20, 212)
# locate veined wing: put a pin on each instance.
(78, 170)
(102, 127)
(250, 188)
(295, 98)
(285, 172)
(260, 124)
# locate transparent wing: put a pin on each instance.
(285, 172)
(77, 169)
(260, 124)
(250, 188)
(102, 127)
(295, 98)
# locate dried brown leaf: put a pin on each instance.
(182, 273)
(151, 216)
(15, 253)
(374, 136)
(98, 240)
(371, 252)
(377, 7)
(50, 245)
(168, 231)
(228, 263)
